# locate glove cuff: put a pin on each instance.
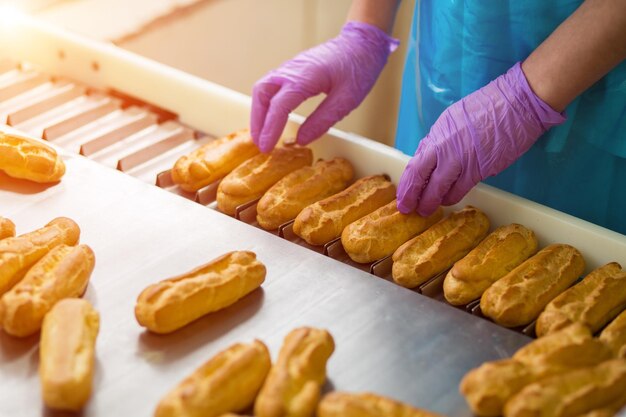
(371, 34)
(541, 111)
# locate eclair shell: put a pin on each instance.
(324, 221)
(213, 161)
(439, 247)
(175, 302)
(254, 177)
(286, 199)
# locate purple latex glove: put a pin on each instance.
(475, 138)
(345, 68)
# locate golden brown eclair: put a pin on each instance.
(175, 302)
(7, 228)
(213, 161)
(488, 387)
(614, 335)
(519, 297)
(62, 273)
(501, 251)
(382, 231)
(228, 382)
(440, 246)
(292, 388)
(29, 159)
(67, 352)
(254, 177)
(595, 301)
(324, 221)
(572, 393)
(342, 404)
(286, 199)
(19, 254)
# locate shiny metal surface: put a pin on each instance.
(389, 340)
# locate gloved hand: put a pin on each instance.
(475, 138)
(345, 68)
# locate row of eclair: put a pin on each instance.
(42, 274)
(242, 377)
(568, 373)
(503, 268)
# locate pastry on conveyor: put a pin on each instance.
(572, 393)
(18, 254)
(488, 387)
(67, 352)
(381, 232)
(519, 297)
(501, 251)
(294, 383)
(286, 199)
(29, 159)
(62, 273)
(7, 228)
(175, 302)
(324, 221)
(254, 177)
(213, 161)
(439, 247)
(594, 301)
(342, 404)
(614, 335)
(226, 383)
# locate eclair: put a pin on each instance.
(595, 301)
(29, 159)
(19, 254)
(228, 382)
(501, 251)
(254, 177)
(62, 273)
(519, 297)
(571, 393)
(324, 221)
(67, 354)
(294, 383)
(213, 161)
(286, 199)
(440, 246)
(381, 232)
(342, 404)
(488, 387)
(175, 302)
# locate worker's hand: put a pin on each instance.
(475, 138)
(345, 68)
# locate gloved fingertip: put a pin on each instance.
(304, 139)
(425, 210)
(404, 207)
(264, 146)
(306, 135)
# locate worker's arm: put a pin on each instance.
(380, 13)
(486, 131)
(344, 68)
(579, 52)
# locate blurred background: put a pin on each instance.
(232, 42)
